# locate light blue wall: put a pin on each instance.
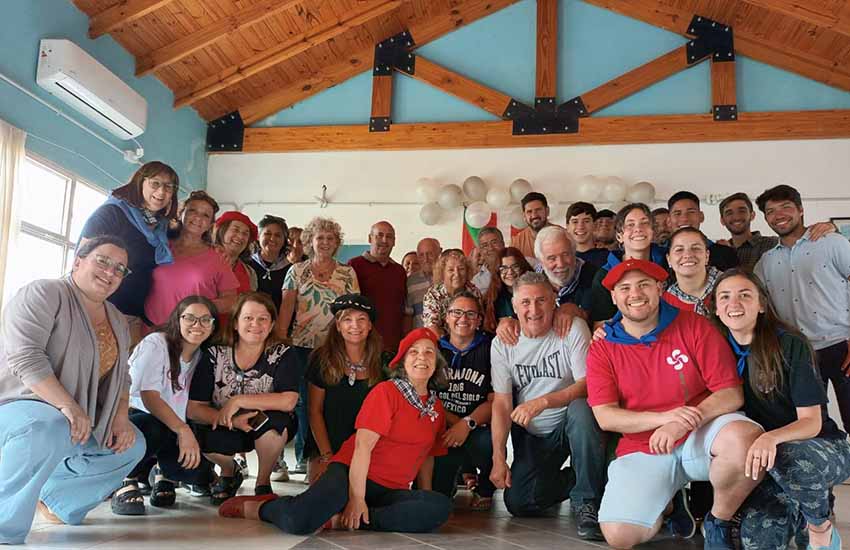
(176, 138)
(595, 45)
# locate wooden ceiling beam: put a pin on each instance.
(723, 88)
(749, 44)
(446, 80)
(546, 72)
(280, 53)
(594, 131)
(202, 38)
(382, 96)
(828, 14)
(635, 80)
(122, 13)
(357, 62)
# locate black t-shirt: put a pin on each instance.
(470, 383)
(722, 257)
(130, 297)
(342, 404)
(595, 256)
(217, 378)
(270, 282)
(802, 388)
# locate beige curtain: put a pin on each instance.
(12, 154)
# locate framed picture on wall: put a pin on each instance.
(843, 225)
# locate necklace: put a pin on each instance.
(353, 369)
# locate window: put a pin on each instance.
(52, 206)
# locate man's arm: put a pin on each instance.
(500, 426)
(721, 402)
(524, 413)
(613, 418)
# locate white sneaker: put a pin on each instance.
(280, 473)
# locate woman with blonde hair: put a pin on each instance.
(452, 272)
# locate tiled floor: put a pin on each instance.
(194, 525)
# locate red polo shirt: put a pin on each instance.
(386, 286)
(687, 362)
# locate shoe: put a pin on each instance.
(242, 464)
(587, 521)
(717, 533)
(834, 543)
(198, 490)
(280, 473)
(680, 523)
(234, 507)
(300, 467)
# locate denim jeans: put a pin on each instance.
(161, 447)
(303, 416)
(795, 492)
(400, 510)
(538, 480)
(39, 462)
(829, 360)
(477, 451)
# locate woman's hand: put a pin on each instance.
(241, 421)
(190, 451)
(226, 413)
(354, 511)
(761, 455)
(80, 422)
(456, 435)
(123, 435)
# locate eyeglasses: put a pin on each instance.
(206, 321)
(515, 269)
(108, 264)
(458, 313)
(157, 185)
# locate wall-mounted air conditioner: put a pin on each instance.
(78, 79)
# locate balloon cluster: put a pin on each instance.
(481, 201)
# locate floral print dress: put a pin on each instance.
(313, 315)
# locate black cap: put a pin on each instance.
(354, 301)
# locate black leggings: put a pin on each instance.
(401, 510)
(229, 442)
(161, 446)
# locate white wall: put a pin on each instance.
(819, 169)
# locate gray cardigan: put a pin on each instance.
(46, 330)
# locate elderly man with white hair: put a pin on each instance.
(571, 279)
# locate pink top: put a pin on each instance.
(205, 274)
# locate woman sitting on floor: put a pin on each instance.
(802, 449)
(161, 369)
(399, 431)
(65, 439)
(342, 372)
(242, 396)
(468, 401)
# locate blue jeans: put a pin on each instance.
(477, 450)
(401, 510)
(538, 480)
(303, 416)
(39, 462)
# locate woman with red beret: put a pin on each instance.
(233, 235)
(367, 484)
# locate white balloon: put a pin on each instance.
(450, 196)
(426, 190)
(517, 218)
(589, 188)
(475, 188)
(616, 206)
(498, 198)
(614, 189)
(519, 189)
(478, 214)
(430, 213)
(642, 191)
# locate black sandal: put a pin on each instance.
(226, 487)
(263, 490)
(129, 502)
(163, 494)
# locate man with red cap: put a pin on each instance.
(667, 380)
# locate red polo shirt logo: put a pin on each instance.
(677, 359)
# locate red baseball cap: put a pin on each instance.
(652, 269)
(412, 337)
(235, 215)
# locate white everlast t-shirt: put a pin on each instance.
(537, 366)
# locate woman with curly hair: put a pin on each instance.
(452, 273)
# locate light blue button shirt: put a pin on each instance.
(809, 287)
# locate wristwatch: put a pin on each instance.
(470, 422)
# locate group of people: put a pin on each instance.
(682, 378)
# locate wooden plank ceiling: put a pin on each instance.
(260, 56)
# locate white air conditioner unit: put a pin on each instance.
(78, 79)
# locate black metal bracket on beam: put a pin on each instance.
(545, 104)
(226, 133)
(575, 107)
(379, 124)
(548, 119)
(710, 38)
(725, 113)
(395, 53)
